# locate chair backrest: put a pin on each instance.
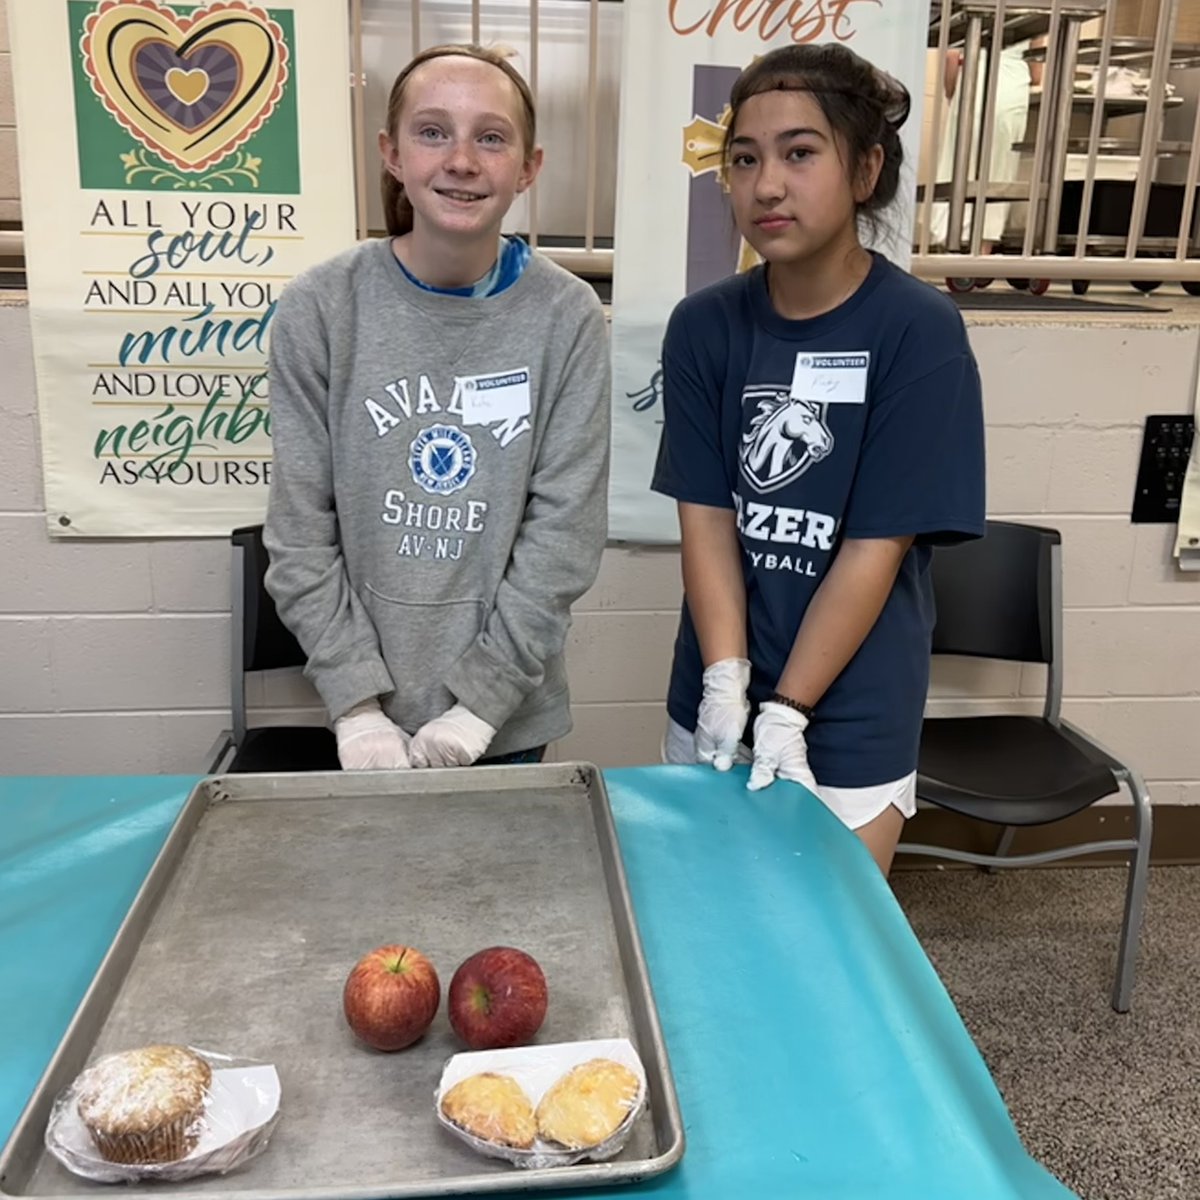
(259, 639)
(1000, 596)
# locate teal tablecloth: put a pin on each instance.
(815, 1052)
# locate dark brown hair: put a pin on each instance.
(864, 106)
(397, 210)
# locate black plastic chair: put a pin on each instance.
(1001, 597)
(260, 641)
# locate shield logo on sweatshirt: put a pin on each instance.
(442, 460)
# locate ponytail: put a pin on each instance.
(397, 209)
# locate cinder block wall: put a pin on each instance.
(1065, 408)
(115, 654)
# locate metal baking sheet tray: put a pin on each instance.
(267, 891)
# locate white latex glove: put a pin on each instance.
(455, 739)
(723, 713)
(369, 740)
(780, 751)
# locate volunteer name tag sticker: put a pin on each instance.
(831, 378)
(500, 396)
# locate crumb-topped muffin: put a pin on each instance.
(492, 1107)
(144, 1106)
(588, 1104)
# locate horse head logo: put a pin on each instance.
(785, 437)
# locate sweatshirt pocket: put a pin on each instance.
(420, 641)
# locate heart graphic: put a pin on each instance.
(191, 89)
(187, 96)
(186, 86)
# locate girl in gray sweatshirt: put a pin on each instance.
(440, 412)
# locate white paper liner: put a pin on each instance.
(240, 1112)
(536, 1069)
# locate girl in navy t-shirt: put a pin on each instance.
(823, 428)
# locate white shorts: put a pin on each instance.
(854, 807)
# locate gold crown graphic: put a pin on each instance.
(703, 142)
(703, 154)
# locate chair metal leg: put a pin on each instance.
(1135, 892)
(1139, 863)
(1003, 845)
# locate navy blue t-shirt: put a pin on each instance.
(864, 422)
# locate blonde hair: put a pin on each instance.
(397, 209)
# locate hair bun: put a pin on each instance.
(894, 99)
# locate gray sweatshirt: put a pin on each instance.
(438, 496)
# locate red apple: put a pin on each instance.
(391, 997)
(497, 998)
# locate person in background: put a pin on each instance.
(823, 429)
(440, 409)
(1017, 76)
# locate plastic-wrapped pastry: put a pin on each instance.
(492, 1107)
(588, 1104)
(144, 1106)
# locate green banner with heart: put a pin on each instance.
(213, 162)
(196, 98)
